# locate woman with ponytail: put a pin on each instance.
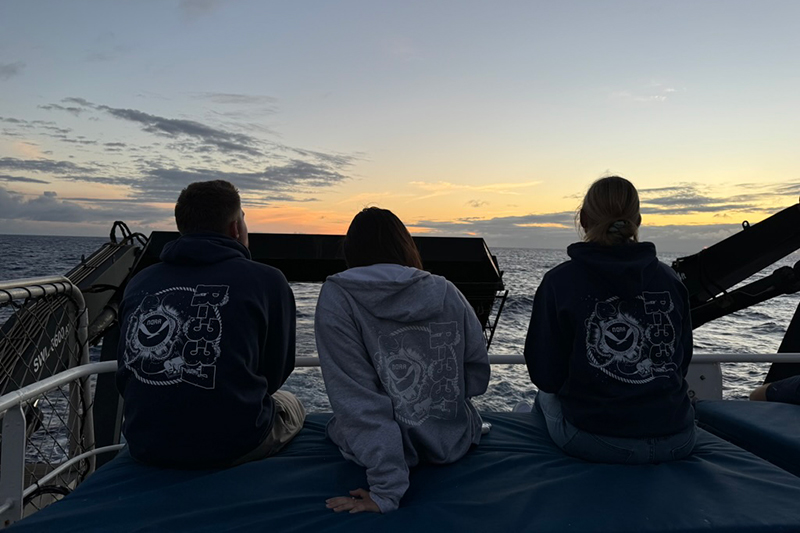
(610, 341)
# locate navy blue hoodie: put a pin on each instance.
(610, 334)
(207, 335)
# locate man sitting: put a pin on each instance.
(207, 339)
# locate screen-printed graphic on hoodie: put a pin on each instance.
(419, 367)
(633, 340)
(174, 336)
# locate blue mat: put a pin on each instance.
(516, 480)
(767, 429)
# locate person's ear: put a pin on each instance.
(233, 229)
(638, 220)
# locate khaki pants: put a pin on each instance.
(289, 418)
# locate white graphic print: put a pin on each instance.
(419, 369)
(632, 340)
(174, 335)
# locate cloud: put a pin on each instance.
(9, 70)
(788, 188)
(49, 208)
(652, 92)
(56, 107)
(557, 231)
(21, 179)
(563, 220)
(441, 188)
(47, 127)
(288, 182)
(338, 160)
(80, 101)
(46, 166)
(274, 183)
(265, 171)
(79, 141)
(190, 137)
(477, 203)
(689, 198)
(223, 141)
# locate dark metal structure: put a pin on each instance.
(711, 274)
(466, 262)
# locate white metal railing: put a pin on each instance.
(704, 376)
(518, 359)
(50, 322)
(12, 489)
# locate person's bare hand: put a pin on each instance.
(358, 501)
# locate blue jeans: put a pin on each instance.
(618, 450)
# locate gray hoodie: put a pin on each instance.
(401, 352)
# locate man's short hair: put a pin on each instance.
(207, 206)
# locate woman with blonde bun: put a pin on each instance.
(610, 341)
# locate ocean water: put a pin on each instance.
(758, 329)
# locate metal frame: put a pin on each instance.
(502, 296)
(12, 462)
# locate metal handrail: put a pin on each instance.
(518, 359)
(20, 289)
(38, 388)
(305, 361)
(66, 464)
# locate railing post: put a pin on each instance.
(12, 466)
(81, 423)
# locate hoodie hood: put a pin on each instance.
(203, 248)
(627, 268)
(394, 292)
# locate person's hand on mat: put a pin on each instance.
(358, 501)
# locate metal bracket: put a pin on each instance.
(705, 381)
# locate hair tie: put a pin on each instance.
(617, 226)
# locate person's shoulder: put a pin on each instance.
(563, 270)
(330, 292)
(668, 273)
(264, 273)
(144, 277)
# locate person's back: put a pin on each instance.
(207, 338)
(628, 348)
(401, 352)
(610, 341)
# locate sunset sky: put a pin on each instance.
(464, 118)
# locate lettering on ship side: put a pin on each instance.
(41, 358)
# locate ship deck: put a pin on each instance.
(515, 480)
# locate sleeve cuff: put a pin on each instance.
(384, 504)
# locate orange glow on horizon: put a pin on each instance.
(293, 219)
